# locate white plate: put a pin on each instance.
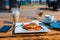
(46, 21)
(19, 29)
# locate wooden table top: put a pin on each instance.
(52, 34)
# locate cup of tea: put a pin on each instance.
(49, 18)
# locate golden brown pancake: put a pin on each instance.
(32, 27)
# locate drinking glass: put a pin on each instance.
(40, 13)
(16, 13)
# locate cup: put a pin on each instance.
(49, 18)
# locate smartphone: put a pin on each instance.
(5, 28)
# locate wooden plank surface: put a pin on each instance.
(53, 35)
(10, 36)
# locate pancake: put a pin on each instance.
(32, 27)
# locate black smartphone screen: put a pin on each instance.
(5, 28)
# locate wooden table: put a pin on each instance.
(52, 35)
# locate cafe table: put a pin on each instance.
(54, 34)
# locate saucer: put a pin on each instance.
(55, 24)
(47, 21)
